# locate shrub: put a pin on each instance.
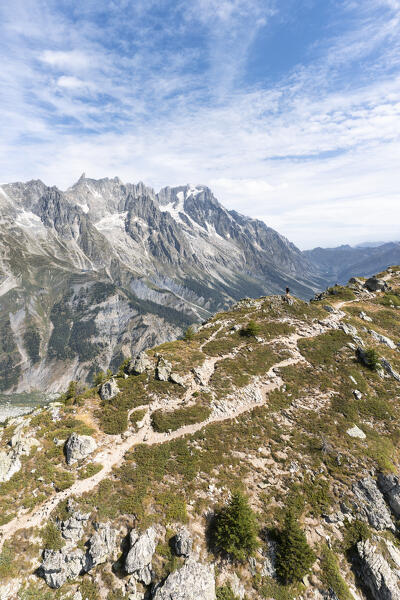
(51, 537)
(355, 531)
(101, 377)
(251, 329)
(294, 557)
(173, 420)
(369, 358)
(235, 528)
(331, 576)
(225, 593)
(90, 470)
(112, 420)
(189, 334)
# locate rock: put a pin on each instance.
(183, 542)
(77, 596)
(390, 487)
(372, 504)
(356, 432)
(236, 586)
(163, 369)
(328, 308)
(175, 378)
(109, 389)
(193, 581)
(365, 317)
(357, 394)
(389, 369)
(78, 447)
(73, 528)
(138, 560)
(373, 284)
(348, 329)
(60, 566)
(23, 442)
(9, 465)
(376, 574)
(140, 364)
(101, 545)
(269, 564)
(383, 339)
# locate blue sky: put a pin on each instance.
(288, 109)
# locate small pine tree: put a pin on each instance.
(189, 334)
(294, 556)
(371, 359)
(251, 329)
(235, 530)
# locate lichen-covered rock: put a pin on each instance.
(191, 582)
(372, 505)
(138, 560)
(138, 365)
(390, 487)
(356, 432)
(183, 542)
(60, 566)
(108, 389)
(376, 574)
(101, 545)
(78, 447)
(163, 370)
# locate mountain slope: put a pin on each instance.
(341, 263)
(100, 271)
(292, 415)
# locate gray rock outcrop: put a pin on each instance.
(138, 560)
(60, 566)
(182, 542)
(72, 529)
(175, 378)
(163, 370)
(191, 582)
(389, 369)
(390, 487)
(382, 339)
(9, 465)
(373, 284)
(376, 574)
(78, 447)
(140, 364)
(372, 505)
(109, 389)
(101, 545)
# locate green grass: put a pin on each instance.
(330, 574)
(172, 420)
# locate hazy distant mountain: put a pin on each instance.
(341, 263)
(96, 273)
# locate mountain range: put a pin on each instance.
(96, 273)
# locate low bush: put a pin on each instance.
(251, 330)
(90, 470)
(51, 537)
(331, 576)
(170, 421)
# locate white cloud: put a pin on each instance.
(73, 60)
(70, 82)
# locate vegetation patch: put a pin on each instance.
(172, 420)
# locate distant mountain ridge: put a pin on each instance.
(104, 269)
(339, 264)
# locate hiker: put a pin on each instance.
(287, 291)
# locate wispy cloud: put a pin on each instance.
(163, 92)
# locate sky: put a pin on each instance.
(289, 110)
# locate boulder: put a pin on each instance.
(163, 370)
(60, 566)
(236, 586)
(389, 369)
(72, 529)
(138, 560)
(348, 329)
(182, 542)
(191, 582)
(78, 447)
(108, 389)
(138, 365)
(390, 487)
(101, 545)
(376, 574)
(373, 284)
(365, 317)
(372, 504)
(175, 378)
(383, 339)
(356, 432)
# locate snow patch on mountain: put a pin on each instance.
(114, 221)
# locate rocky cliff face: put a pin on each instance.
(105, 269)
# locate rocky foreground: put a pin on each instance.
(114, 492)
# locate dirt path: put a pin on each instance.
(113, 452)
